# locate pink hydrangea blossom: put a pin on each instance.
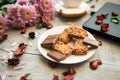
(20, 16)
(3, 26)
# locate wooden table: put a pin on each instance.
(38, 66)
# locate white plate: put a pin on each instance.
(60, 5)
(72, 59)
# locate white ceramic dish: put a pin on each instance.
(60, 5)
(72, 59)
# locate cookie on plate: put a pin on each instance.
(79, 47)
(64, 37)
(77, 32)
(63, 48)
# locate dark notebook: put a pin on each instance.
(114, 32)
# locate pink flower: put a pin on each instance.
(22, 2)
(48, 16)
(46, 4)
(3, 25)
(45, 9)
(28, 14)
(21, 16)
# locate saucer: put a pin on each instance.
(60, 5)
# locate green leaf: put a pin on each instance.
(11, 1)
(4, 9)
(39, 26)
(115, 20)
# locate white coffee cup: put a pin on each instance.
(71, 3)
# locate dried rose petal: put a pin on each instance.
(25, 76)
(95, 63)
(65, 73)
(100, 17)
(55, 77)
(68, 77)
(105, 27)
(115, 13)
(20, 50)
(71, 70)
(99, 22)
(52, 64)
(100, 43)
(99, 61)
